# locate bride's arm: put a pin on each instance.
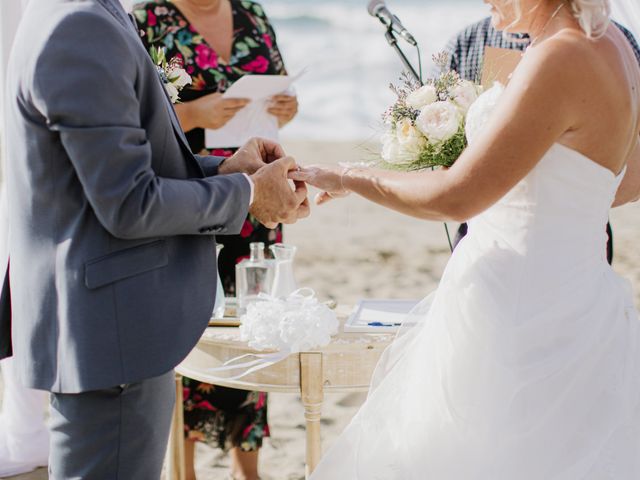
(629, 190)
(538, 106)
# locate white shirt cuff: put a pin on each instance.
(253, 187)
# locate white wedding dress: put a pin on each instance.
(525, 363)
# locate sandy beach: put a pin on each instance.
(351, 249)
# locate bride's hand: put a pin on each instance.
(328, 179)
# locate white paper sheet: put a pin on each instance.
(378, 316)
(253, 120)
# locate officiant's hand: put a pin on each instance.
(252, 156)
(284, 107)
(328, 179)
(274, 200)
(211, 111)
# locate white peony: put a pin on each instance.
(439, 121)
(464, 94)
(180, 78)
(172, 91)
(425, 95)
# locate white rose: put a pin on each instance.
(172, 91)
(425, 95)
(180, 78)
(464, 94)
(439, 121)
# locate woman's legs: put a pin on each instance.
(244, 465)
(190, 459)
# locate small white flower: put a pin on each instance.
(464, 94)
(172, 91)
(425, 95)
(391, 148)
(180, 78)
(403, 146)
(439, 121)
(410, 138)
(406, 132)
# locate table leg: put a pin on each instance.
(175, 457)
(311, 388)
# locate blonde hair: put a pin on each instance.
(592, 15)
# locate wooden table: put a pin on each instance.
(345, 365)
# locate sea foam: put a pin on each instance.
(350, 65)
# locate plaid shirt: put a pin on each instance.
(467, 49)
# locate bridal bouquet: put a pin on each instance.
(425, 127)
(173, 76)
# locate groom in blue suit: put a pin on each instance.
(113, 224)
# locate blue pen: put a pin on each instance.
(380, 324)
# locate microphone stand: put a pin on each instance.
(393, 43)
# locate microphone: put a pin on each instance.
(378, 9)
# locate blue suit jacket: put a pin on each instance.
(112, 218)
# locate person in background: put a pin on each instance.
(466, 53)
(219, 42)
(24, 437)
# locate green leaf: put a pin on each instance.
(258, 10)
(251, 42)
(184, 50)
(242, 47)
(141, 15)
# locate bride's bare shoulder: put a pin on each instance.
(568, 52)
(573, 68)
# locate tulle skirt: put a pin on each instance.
(511, 373)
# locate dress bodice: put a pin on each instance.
(561, 206)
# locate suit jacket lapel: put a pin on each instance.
(115, 8)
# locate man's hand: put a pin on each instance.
(251, 157)
(274, 200)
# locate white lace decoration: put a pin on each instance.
(297, 323)
(290, 325)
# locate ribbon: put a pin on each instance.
(316, 325)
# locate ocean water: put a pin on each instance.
(349, 63)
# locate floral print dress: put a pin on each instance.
(219, 416)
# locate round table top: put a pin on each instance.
(347, 362)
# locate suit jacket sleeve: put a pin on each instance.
(209, 164)
(85, 84)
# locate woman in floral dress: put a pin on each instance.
(220, 41)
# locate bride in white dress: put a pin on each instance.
(525, 364)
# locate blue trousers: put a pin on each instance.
(119, 433)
